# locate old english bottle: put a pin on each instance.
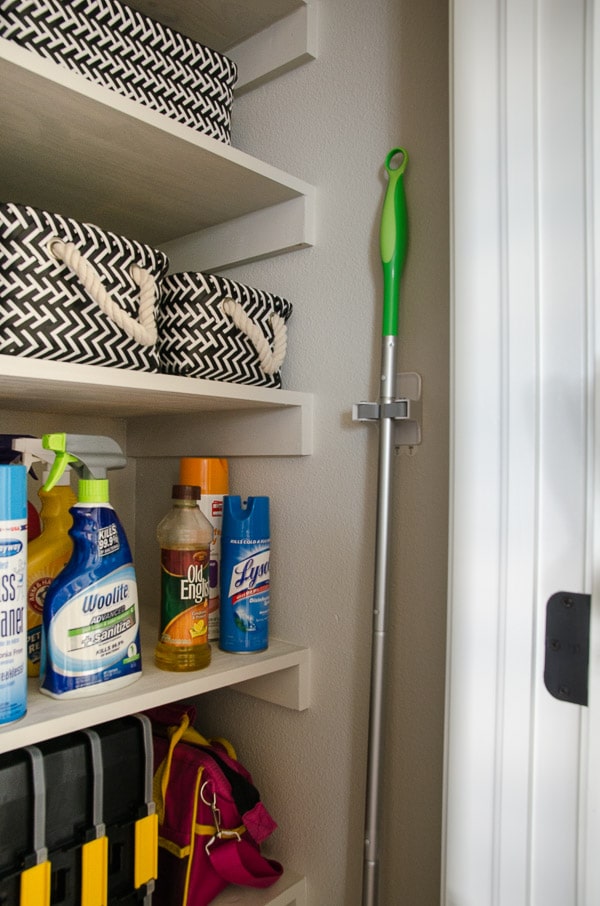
(185, 537)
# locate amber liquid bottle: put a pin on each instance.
(185, 536)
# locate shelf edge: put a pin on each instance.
(284, 431)
(285, 45)
(289, 890)
(47, 718)
(285, 227)
(291, 691)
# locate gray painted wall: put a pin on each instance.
(381, 80)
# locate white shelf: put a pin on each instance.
(276, 422)
(282, 668)
(289, 890)
(80, 149)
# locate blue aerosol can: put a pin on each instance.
(245, 575)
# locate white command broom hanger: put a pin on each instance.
(397, 425)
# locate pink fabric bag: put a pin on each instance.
(211, 818)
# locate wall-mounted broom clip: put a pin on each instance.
(405, 410)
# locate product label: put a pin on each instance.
(246, 597)
(212, 507)
(13, 603)
(39, 582)
(108, 540)
(95, 635)
(184, 596)
(248, 575)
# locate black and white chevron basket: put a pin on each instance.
(212, 327)
(120, 48)
(72, 292)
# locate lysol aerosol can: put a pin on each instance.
(245, 575)
(13, 592)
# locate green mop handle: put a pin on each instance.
(393, 240)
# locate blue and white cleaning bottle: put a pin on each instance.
(13, 592)
(91, 634)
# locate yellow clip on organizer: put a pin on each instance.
(35, 880)
(94, 853)
(146, 850)
(35, 885)
(94, 872)
(146, 828)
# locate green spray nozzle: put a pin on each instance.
(91, 456)
(393, 240)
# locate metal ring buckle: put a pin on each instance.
(219, 834)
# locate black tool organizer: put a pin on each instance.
(60, 796)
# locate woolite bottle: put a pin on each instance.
(91, 624)
(185, 536)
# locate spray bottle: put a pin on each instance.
(51, 550)
(8, 455)
(13, 572)
(91, 638)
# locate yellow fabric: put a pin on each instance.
(207, 830)
(226, 745)
(201, 830)
(182, 733)
(35, 885)
(146, 850)
(192, 736)
(94, 872)
(196, 794)
(161, 777)
(180, 852)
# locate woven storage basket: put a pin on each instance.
(120, 48)
(212, 327)
(70, 291)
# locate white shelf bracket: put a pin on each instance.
(291, 690)
(288, 43)
(285, 227)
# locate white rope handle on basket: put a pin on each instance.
(270, 358)
(143, 330)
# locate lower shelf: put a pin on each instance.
(279, 675)
(289, 890)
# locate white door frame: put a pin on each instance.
(521, 787)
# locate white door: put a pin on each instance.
(522, 783)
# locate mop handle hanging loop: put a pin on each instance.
(393, 240)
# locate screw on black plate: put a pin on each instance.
(567, 647)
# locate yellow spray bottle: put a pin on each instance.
(51, 550)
